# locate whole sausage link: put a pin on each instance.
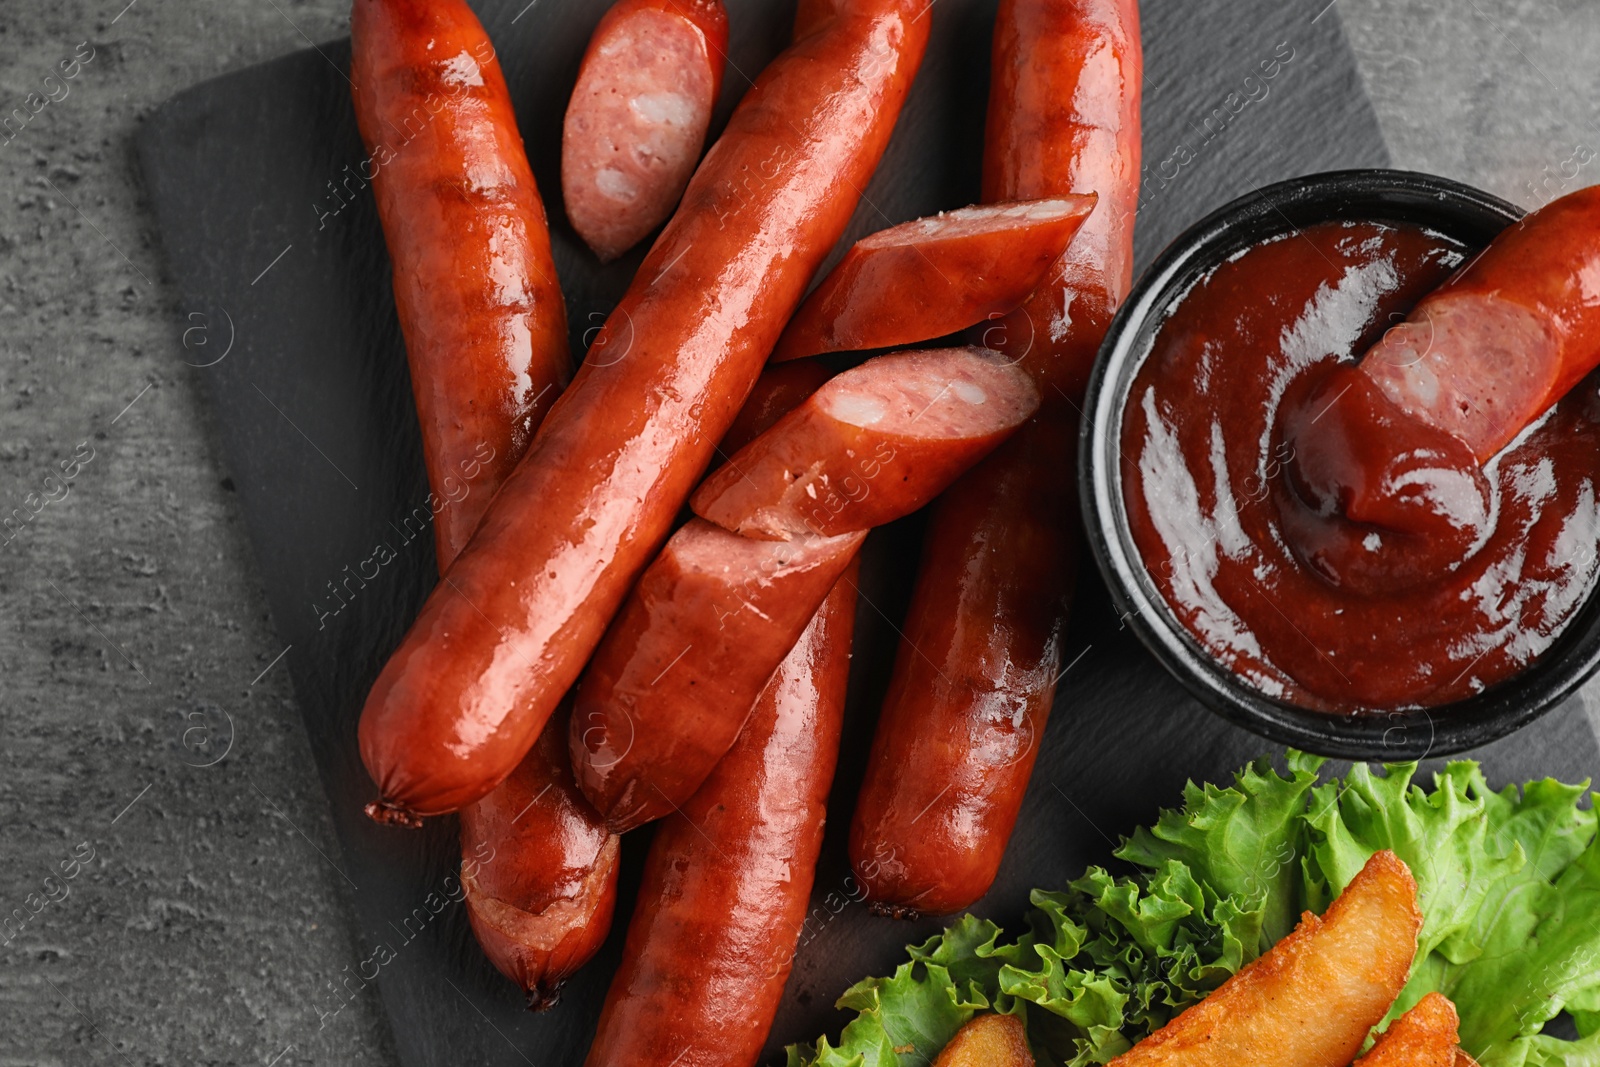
(474, 281)
(508, 630)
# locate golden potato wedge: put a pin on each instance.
(1312, 999)
(1425, 1036)
(988, 1041)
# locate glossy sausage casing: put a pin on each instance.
(685, 660)
(638, 117)
(507, 631)
(540, 871)
(713, 616)
(1506, 337)
(729, 877)
(976, 674)
(474, 282)
(874, 444)
(934, 276)
(486, 335)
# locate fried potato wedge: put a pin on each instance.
(1311, 1000)
(988, 1041)
(1426, 1036)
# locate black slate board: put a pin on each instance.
(278, 257)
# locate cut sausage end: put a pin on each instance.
(935, 394)
(1474, 365)
(635, 125)
(934, 276)
(872, 445)
(981, 220)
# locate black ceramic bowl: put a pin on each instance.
(1448, 207)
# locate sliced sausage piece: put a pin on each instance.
(1393, 446)
(540, 872)
(507, 632)
(729, 877)
(873, 444)
(992, 594)
(777, 392)
(685, 660)
(638, 117)
(1508, 335)
(931, 277)
(474, 282)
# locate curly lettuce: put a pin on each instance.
(1508, 882)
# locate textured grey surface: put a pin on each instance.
(211, 924)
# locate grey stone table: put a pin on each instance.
(203, 921)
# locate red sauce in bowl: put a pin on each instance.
(1223, 531)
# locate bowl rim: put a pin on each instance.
(1404, 734)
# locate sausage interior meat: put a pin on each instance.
(638, 117)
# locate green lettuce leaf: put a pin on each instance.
(1508, 883)
(1241, 841)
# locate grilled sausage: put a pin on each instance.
(976, 672)
(485, 331)
(931, 277)
(729, 876)
(474, 282)
(508, 630)
(685, 660)
(1392, 447)
(540, 872)
(681, 667)
(873, 444)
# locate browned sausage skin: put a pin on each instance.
(511, 625)
(485, 332)
(474, 282)
(685, 660)
(729, 876)
(872, 445)
(977, 670)
(540, 872)
(933, 276)
(638, 117)
(711, 619)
